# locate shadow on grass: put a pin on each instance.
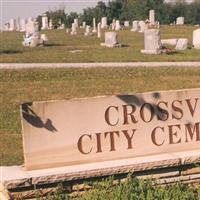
(174, 53)
(125, 45)
(10, 51)
(53, 45)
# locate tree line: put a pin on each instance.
(166, 12)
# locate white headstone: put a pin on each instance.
(44, 38)
(104, 22)
(126, 24)
(135, 26)
(111, 40)
(142, 26)
(196, 39)
(32, 36)
(44, 22)
(30, 19)
(50, 24)
(22, 25)
(12, 25)
(62, 26)
(117, 25)
(83, 24)
(182, 44)
(113, 24)
(18, 24)
(76, 22)
(171, 42)
(94, 26)
(152, 43)
(99, 30)
(74, 27)
(179, 20)
(31, 27)
(87, 31)
(152, 17)
(7, 26)
(32, 40)
(157, 24)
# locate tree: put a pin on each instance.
(69, 19)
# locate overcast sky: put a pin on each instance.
(33, 8)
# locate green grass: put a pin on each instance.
(47, 84)
(61, 43)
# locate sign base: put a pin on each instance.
(180, 166)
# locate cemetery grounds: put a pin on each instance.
(19, 86)
(62, 47)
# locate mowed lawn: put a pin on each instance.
(61, 43)
(57, 84)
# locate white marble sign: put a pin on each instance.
(88, 130)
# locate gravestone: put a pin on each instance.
(135, 26)
(7, 26)
(18, 24)
(117, 25)
(171, 42)
(45, 24)
(94, 26)
(99, 30)
(22, 25)
(152, 17)
(157, 24)
(32, 36)
(76, 23)
(180, 21)
(31, 27)
(50, 24)
(113, 24)
(126, 24)
(142, 26)
(104, 22)
(87, 31)
(83, 24)
(182, 44)
(152, 43)
(44, 38)
(12, 25)
(62, 26)
(111, 40)
(74, 29)
(196, 39)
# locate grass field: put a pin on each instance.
(35, 85)
(61, 43)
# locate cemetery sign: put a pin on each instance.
(78, 131)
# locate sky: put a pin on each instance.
(33, 8)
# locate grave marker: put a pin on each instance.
(111, 40)
(94, 26)
(135, 26)
(182, 44)
(196, 39)
(152, 17)
(180, 21)
(45, 24)
(117, 25)
(152, 42)
(104, 22)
